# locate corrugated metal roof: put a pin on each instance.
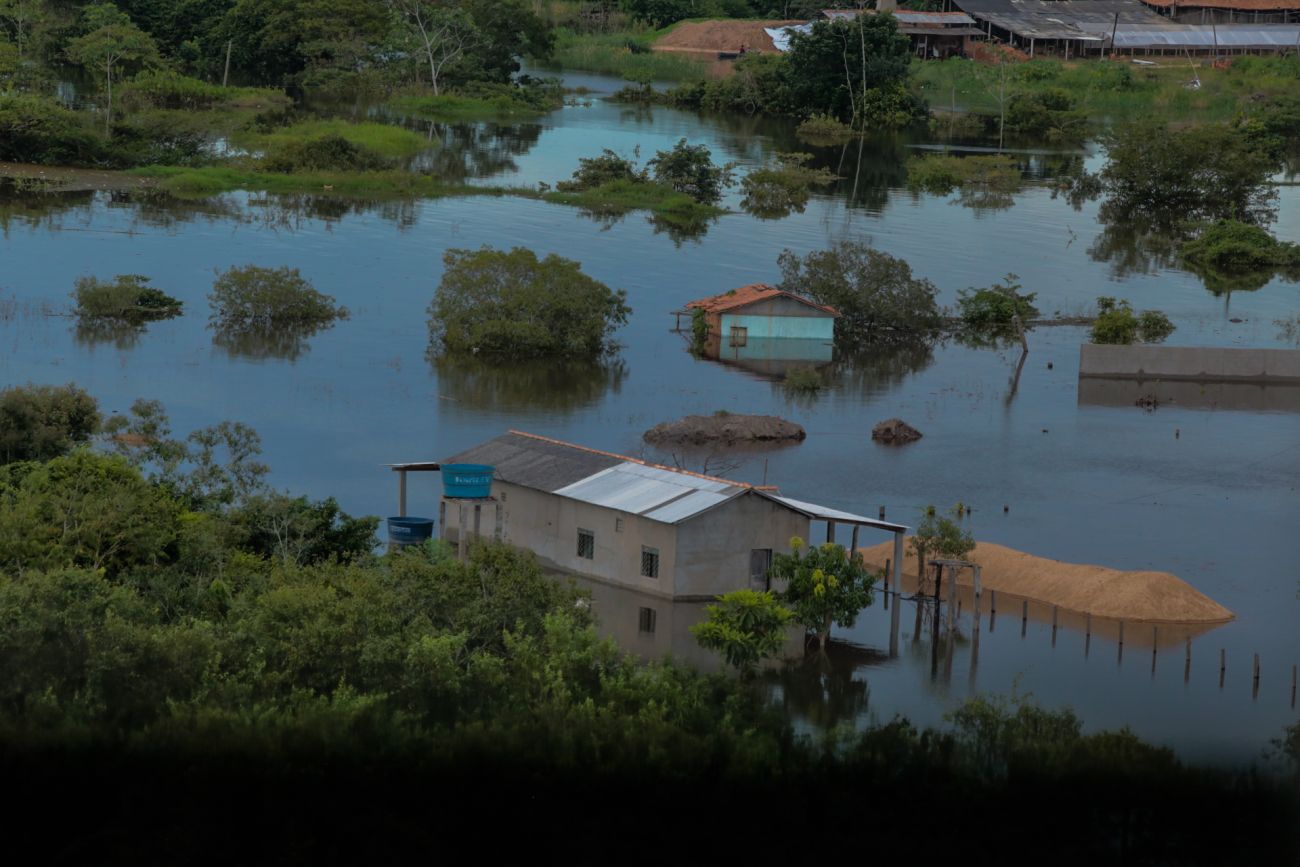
(1203, 36)
(628, 485)
(1239, 5)
(644, 490)
(752, 294)
(535, 463)
(823, 513)
(1089, 20)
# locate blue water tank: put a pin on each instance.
(467, 481)
(410, 531)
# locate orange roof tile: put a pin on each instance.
(750, 294)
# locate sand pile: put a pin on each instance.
(714, 36)
(726, 428)
(1157, 597)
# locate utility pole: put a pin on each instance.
(225, 76)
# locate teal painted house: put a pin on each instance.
(764, 313)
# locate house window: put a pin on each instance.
(649, 562)
(647, 620)
(618, 525)
(739, 335)
(586, 544)
(760, 561)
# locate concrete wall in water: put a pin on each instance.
(1197, 363)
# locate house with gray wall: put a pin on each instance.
(658, 530)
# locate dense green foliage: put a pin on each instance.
(854, 71)
(125, 299)
(825, 585)
(514, 305)
(1205, 172)
(39, 422)
(939, 536)
(781, 187)
(875, 293)
(1230, 245)
(38, 130)
(689, 169)
(745, 627)
(1117, 323)
(251, 298)
(982, 182)
(996, 308)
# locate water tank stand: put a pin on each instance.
(469, 521)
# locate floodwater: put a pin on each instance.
(1206, 492)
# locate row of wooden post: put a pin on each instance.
(954, 611)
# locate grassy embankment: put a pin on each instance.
(627, 55)
(392, 142)
(1114, 91)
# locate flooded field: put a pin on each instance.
(1207, 491)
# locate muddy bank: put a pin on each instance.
(725, 429)
(62, 179)
(1154, 597)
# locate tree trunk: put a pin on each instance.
(108, 123)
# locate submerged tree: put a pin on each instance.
(745, 626)
(39, 422)
(1118, 323)
(939, 536)
(690, 169)
(826, 585)
(112, 42)
(502, 304)
(875, 293)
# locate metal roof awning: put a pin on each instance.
(824, 513)
(1200, 36)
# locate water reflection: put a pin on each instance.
(286, 344)
(870, 369)
(122, 335)
(528, 385)
(468, 150)
(825, 690)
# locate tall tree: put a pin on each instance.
(21, 16)
(112, 41)
(443, 31)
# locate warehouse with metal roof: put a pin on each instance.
(657, 529)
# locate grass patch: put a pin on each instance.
(197, 183)
(622, 196)
(1114, 91)
(388, 141)
(626, 55)
(452, 106)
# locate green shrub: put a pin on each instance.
(823, 127)
(1117, 324)
(804, 381)
(125, 299)
(331, 153)
(745, 626)
(996, 306)
(597, 171)
(1233, 246)
(39, 422)
(689, 169)
(513, 305)
(782, 186)
(38, 130)
(269, 300)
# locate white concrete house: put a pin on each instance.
(662, 531)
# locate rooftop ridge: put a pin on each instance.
(632, 460)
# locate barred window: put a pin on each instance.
(739, 335)
(647, 623)
(586, 544)
(649, 562)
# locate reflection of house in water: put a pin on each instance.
(664, 532)
(767, 330)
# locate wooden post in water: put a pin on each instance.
(1293, 668)
(1254, 689)
(1187, 663)
(1024, 617)
(1120, 659)
(1223, 665)
(952, 601)
(1154, 636)
(1056, 611)
(893, 628)
(993, 602)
